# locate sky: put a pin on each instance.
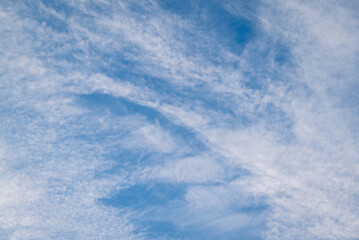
(168, 119)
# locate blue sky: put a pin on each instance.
(166, 119)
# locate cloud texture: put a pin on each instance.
(179, 119)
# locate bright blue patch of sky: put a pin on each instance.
(231, 31)
(152, 198)
(142, 197)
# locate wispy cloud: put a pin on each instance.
(130, 120)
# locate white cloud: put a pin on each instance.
(151, 137)
(197, 169)
(48, 172)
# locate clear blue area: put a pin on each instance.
(146, 196)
